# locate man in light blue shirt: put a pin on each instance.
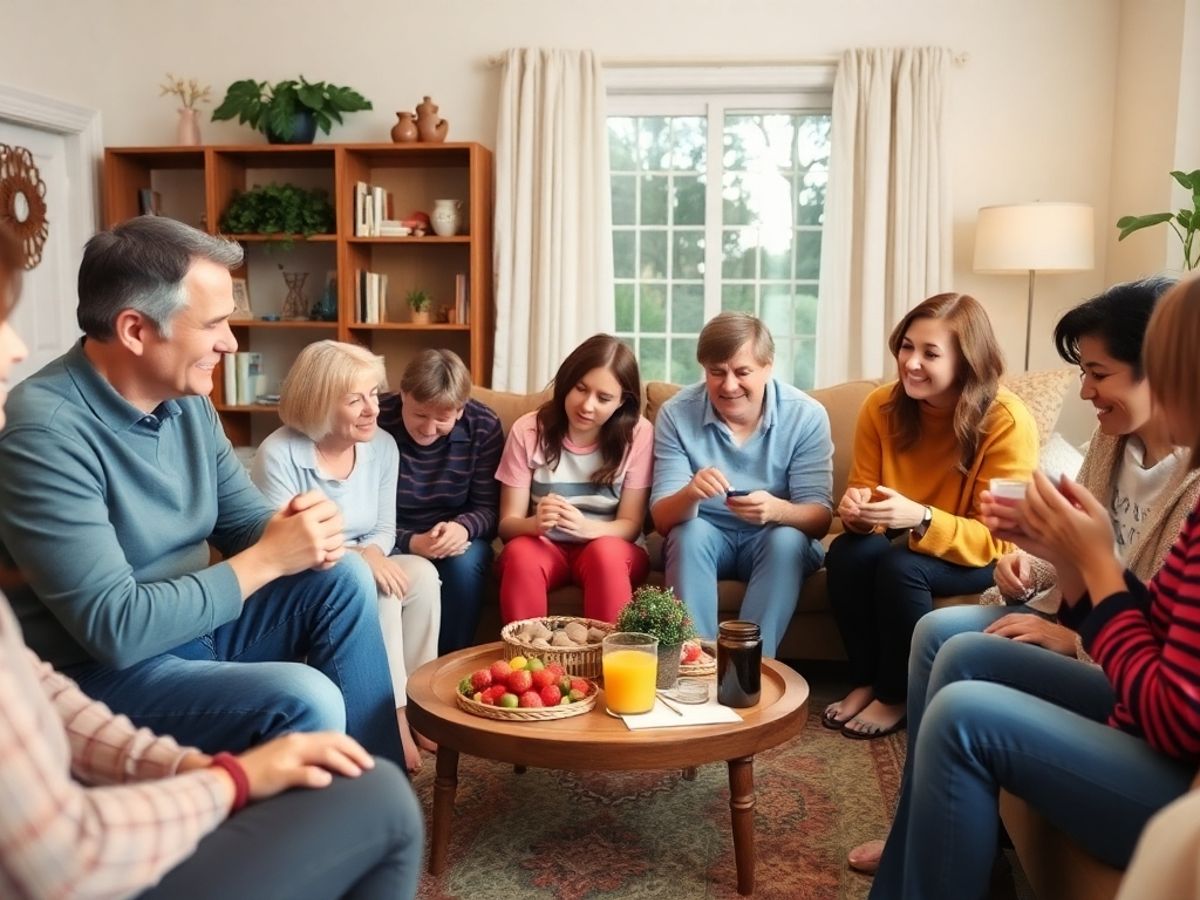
(743, 477)
(115, 479)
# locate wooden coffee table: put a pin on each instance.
(597, 741)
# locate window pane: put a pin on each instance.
(625, 313)
(687, 308)
(810, 196)
(689, 135)
(776, 311)
(737, 297)
(805, 305)
(622, 143)
(804, 363)
(624, 264)
(654, 142)
(652, 359)
(684, 368)
(777, 254)
(653, 263)
(808, 254)
(689, 200)
(735, 200)
(624, 199)
(689, 254)
(739, 248)
(654, 309)
(654, 200)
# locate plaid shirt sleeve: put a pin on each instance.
(89, 804)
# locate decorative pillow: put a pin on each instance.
(1057, 457)
(1043, 394)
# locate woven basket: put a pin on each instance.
(707, 665)
(534, 714)
(581, 661)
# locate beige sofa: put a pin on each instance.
(813, 634)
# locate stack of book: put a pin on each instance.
(373, 213)
(244, 382)
(370, 297)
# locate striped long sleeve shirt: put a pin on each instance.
(90, 806)
(451, 480)
(1147, 639)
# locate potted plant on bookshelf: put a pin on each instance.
(658, 612)
(419, 302)
(291, 111)
(282, 209)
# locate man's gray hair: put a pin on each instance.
(140, 265)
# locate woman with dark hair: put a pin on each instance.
(1097, 750)
(924, 450)
(94, 807)
(575, 478)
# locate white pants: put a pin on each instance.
(410, 624)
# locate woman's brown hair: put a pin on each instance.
(980, 365)
(1169, 358)
(597, 352)
(12, 265)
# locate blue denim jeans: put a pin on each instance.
(240, 685)
(1001, 714)
(357, 838)
(464, 585)
(773, 560)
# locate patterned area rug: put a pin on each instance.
(577, 835)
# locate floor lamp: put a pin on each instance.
(1031, 238)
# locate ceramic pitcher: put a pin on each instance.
(446, 217)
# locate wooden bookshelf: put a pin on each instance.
(196, 185)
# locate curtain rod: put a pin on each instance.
(497, 59)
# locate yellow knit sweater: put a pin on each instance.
(928, 471)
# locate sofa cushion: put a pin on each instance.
(509, 406)
(1043, 394)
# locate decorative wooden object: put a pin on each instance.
(23, 201)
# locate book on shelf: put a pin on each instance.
(372, 209)
(370, 297)
(242, 378)
(462, 299)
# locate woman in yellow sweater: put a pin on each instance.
(924, 448)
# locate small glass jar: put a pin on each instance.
(739, 664)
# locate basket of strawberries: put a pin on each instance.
(697, 658)
(525, 690)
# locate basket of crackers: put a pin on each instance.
(525, 690)
(571, 641)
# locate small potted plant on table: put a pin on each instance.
(658, 612)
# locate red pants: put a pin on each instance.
(606, 568)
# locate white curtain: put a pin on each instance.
(887, 241)
(553, 240)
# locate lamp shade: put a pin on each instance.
(1041, 237)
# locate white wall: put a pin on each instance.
(1031, 112)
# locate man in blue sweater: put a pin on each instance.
(115, 477)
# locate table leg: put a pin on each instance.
(741, 807)
(444, 787)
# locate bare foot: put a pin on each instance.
(838, 714)
(877, 719)
(412, 755)
(423, 742)
(865, 857)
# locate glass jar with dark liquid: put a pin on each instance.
(739, 664)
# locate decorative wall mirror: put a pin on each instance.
(23, 201)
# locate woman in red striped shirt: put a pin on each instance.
(1095, 750)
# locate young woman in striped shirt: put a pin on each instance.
(1096, 750)
(575, 478)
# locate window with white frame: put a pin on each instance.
(682, 252)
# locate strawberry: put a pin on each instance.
(496, 691)
(520, 681)
(481, 679)
(543, 678)
(500, 670)
(557, 670)
(551, 695)
(576, 694)
(530, 700)
(581, 685)
(564, 685)
(691, 653)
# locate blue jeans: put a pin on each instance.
(358, 838)
(464, 580)
(879, 589)
(1000, 714)
(774, 560)
(239, 685)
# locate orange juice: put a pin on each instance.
(629, 677)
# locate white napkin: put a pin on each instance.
(710, 713)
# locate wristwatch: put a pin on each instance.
(919, 530)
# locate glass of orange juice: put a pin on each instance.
(630, 663)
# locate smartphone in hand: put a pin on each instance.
(735, 493)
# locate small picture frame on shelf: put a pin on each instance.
(241, 300)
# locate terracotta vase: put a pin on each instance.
(187, 130)
(431, 129)
(405, 130)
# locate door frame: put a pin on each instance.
(80, 128)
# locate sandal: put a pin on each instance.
(830, 720)
(871, 732)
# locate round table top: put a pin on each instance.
(596, 740)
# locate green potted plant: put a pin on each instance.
(658, 612)
(1184, 223)
(289, 112)
(419, 302)
(282, 209)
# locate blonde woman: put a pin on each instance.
(330, 442)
